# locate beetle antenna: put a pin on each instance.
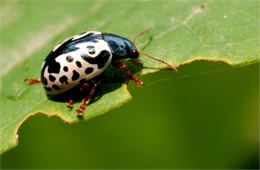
(140, 34)
(147, 55)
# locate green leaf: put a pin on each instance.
(180, 32)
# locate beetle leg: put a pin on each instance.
(137, 61)
(86, 100)
(33, 81)
(122, 66)
(70, 103)
(84, 86)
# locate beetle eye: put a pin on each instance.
(69, 58)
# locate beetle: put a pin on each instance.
(83, 57)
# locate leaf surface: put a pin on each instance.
(180, 32)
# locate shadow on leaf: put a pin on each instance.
(110, 80)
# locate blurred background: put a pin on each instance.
(204, 116)
(195, 118)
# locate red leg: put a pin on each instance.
(137, 61)
(33, 81)
(122, 66)
(70, 103)
(86, 100)
(84, 86)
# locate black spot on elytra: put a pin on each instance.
(44, 81)
(89, 70)
(64, 79)
(55, 87)
(54, 67)
(78, 64)
(91, 49)
(47, 88)
(75, 75)
(66, 47)
(100, 59)
(70, 45)
(69, 58)
(52, 78)
(65, 68)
